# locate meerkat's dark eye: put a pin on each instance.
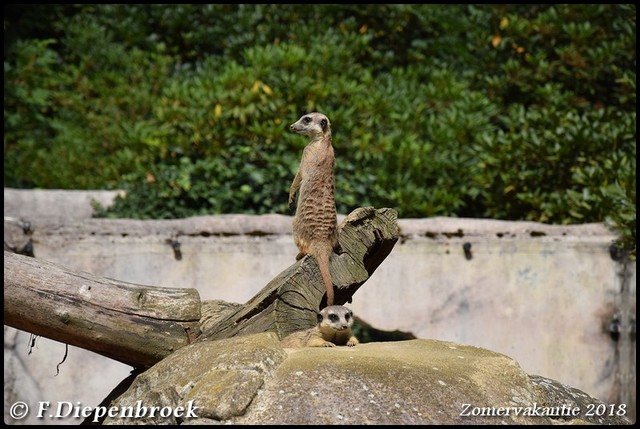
(306, 119)
(347, 317)
(334, 317)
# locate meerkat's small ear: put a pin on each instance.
(323, 124)
(319, 317)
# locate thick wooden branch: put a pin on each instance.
(289, 302)
(140, 325)
(134, 324)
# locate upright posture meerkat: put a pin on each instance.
(314, 224)
(333, 329)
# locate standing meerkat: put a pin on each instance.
(315, 222)
(333, 329)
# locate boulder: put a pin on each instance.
(253, 380)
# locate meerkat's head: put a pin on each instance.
(312, 125)
(335, 317)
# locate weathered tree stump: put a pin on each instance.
(290, 301)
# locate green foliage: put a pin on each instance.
(586, 52)
(72, 119)
(560, 154)
(502, 111)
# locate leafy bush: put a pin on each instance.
(71, 118)
(502, 111)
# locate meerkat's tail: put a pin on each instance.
(323, 256)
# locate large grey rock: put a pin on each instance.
(221, 378)
(252, 380)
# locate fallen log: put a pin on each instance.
(134, 324)
(140, 325)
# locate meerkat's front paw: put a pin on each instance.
(328, 344)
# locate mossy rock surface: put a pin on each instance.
(252, 380)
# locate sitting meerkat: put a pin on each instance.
(333, 329)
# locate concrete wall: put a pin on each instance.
(544, 295)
